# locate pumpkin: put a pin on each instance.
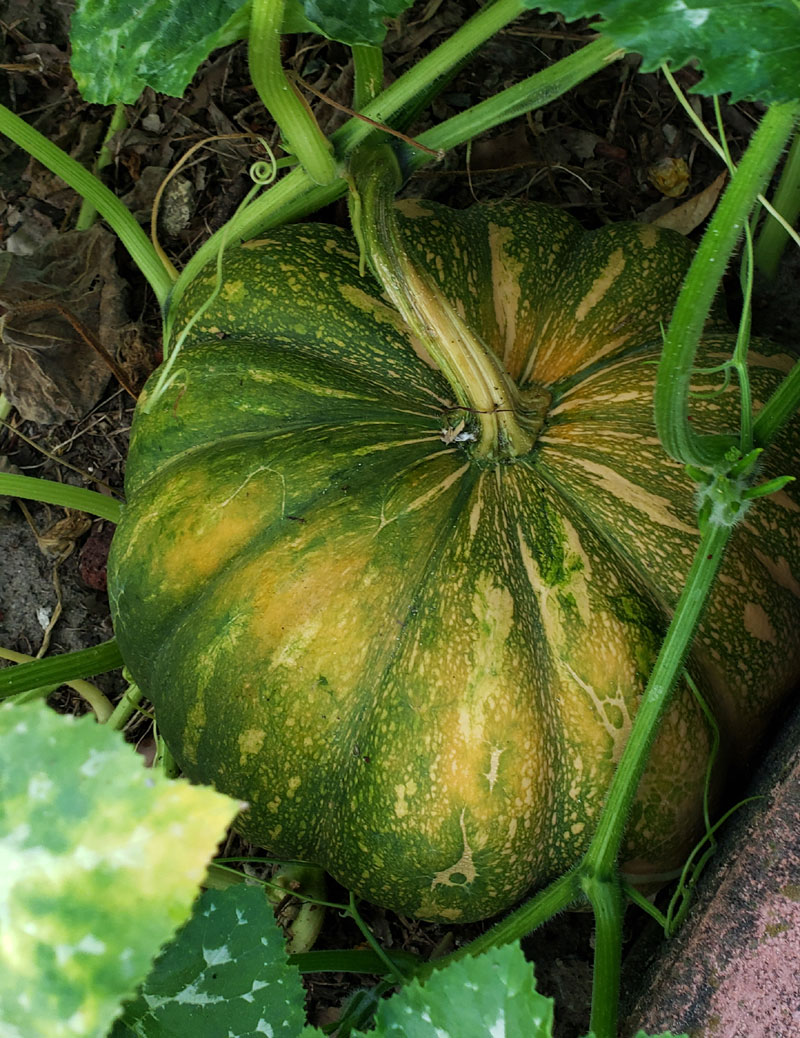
(418, 660)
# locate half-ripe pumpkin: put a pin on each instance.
(414, 646)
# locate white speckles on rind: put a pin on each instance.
(465, 866)
(757, 623)
(494, 766)
(401, 791)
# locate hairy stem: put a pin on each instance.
(602, 854)
(368, 74)
(296, 195)
(605, 896)
(773, 236)
(297, 124)
(700, 287)
(475, 373)
(560, 894)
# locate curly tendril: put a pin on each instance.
(262, 173)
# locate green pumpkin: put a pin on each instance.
(416, 659)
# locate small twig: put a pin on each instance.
(58, 608)
(56, 614)
(365, 119)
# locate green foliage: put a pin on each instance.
(224, 973)
(115, 56)
(749, 49)
(100, 860)
(65, 494)
(353, 21)
(493, 994)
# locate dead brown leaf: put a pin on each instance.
(47, 369)
(685, 218)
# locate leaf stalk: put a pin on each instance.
(280, 97)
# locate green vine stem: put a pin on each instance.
(555, 898)
(367, 74)
(599, 878)
(118, 121)
(780, 407)
(738, 361)
(59, 670)
(295, 196)
(96, 699)
(295, 120)
(89, 187)
(534, 92)
(481, 27)
(374, 944)
(700, 287)
(773, 236)
(606, 900)
(125, 708)
(163, 758)
(476, 375)
(596, 877)
(64, 494)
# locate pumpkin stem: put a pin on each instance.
(508, 420)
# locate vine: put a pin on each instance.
(261, 173)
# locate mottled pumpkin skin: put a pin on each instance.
(418, 668)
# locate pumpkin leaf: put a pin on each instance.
(115, 56)
(747, 48)
(226, 972)
(494, 993)
(100, 860)
(352, 21)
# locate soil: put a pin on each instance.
(600, 151)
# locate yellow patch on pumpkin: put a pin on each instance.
(250, 742)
